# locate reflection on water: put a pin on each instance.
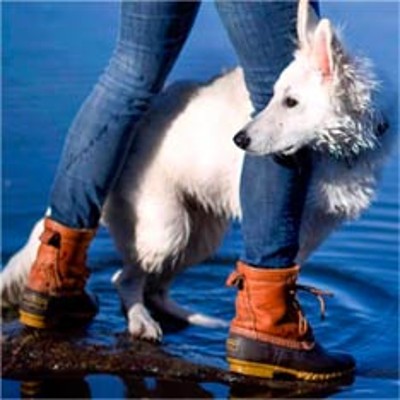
(130, 387)
(48, 68)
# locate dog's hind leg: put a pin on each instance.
(130, 283)
(205, 237)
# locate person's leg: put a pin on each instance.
(150, 38)
(272, 191)
(269, 333)
(151, 35)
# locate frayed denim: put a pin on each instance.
(151, 36)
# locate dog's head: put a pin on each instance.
(323, 99)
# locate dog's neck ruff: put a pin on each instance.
(350, 138)
(357, 125)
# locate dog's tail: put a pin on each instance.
(207, 321)
(167, 306)
(15, 273)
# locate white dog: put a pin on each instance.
(180, 186)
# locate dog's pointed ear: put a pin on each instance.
(307, 21)
(322, 48)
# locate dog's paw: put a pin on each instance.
(141, 325)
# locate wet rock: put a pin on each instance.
(34, 356)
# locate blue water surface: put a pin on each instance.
(52, 55)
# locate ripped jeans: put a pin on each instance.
(151, 36)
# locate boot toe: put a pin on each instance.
(344, 360)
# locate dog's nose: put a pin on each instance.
(242, 140)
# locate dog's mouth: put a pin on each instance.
(289, 150)
(295, 147)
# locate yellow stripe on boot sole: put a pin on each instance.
(32, 320)
(268, 371)
(39, 322)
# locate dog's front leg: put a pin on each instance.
(130, 283)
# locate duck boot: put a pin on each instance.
(270, 337)
(55, 292)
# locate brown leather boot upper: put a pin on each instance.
(267, 308)
(60, 266)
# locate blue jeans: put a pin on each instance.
(151, 36)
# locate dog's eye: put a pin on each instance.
(290, 102)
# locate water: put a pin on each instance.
(52, 55)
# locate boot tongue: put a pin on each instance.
(51, 238)
(235, 279)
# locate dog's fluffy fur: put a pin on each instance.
(180, 187)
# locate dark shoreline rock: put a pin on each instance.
(31, 355)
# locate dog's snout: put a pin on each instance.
(242, 140)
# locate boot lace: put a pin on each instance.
(318, 293)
